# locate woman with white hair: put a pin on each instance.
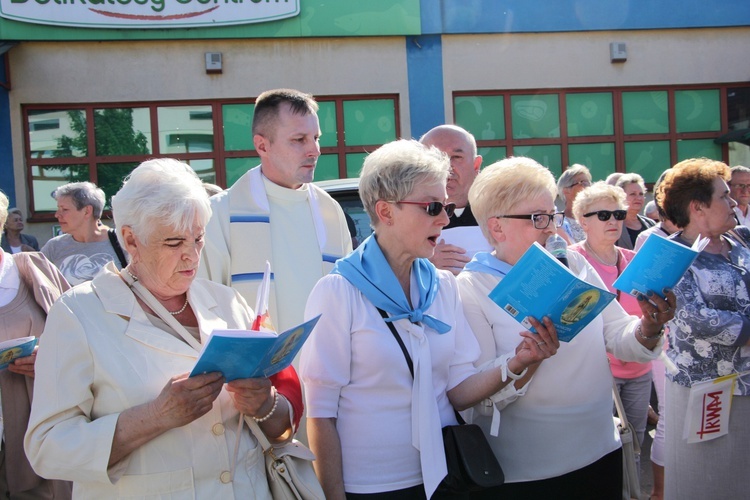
(115, 411)
(377, 399)
(85, 247)
(601, 210)
(575, 178)
(635, 198)
(556, 436)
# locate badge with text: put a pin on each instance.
(708, 409)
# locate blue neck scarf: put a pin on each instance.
(485, 262)
(367, 269)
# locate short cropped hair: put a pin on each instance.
(452, 129)
(567, 176)
(267, 107)
(504, 184)
(83, 194)
(164, 192)
(626, 179)
(599, 191)
(392, 171)
(688, 181)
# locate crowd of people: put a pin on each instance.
(408, 340)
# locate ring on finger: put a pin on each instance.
(541, 343)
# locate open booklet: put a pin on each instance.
(16, 348)
(659, 264)
(251, 354)
(539, 285)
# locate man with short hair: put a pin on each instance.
(739, 190)
(274, 213)
(461, 148)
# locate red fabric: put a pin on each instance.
(287, 384)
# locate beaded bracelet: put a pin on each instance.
(273, 408)
(639, 332)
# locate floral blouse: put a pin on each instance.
(711, 326)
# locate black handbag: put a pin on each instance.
(472, 465)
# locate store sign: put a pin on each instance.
(140, 14)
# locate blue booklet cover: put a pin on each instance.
(251, 354)
(16, 348)
(659, 264)
(538, 285)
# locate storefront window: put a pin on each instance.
(46, 178)
(185, 129)
(121, 131)
(57, 133)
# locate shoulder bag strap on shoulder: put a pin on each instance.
(112, 234)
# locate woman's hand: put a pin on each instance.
(252, 396)
(536, 347)
(25, 365)
(185, 399)
(656, 311)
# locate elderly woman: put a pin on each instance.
(115, 410)
(29, 285)
(556, 437)
(376, 404)
(85, 247)
(575, 178)
(601, 209)
(710, 334)
(635, 223)
(14, 240)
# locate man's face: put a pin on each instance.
(291, 150)
(739, 188)
(464, 164)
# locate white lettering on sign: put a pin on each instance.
(147, 13)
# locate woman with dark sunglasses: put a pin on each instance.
(600, 209)
(551, 430)
(392, 354)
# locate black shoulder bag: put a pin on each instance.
(472, 465)
(118, 249)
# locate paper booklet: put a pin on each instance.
(251, 354)
(16, 348)
(659, 264)
(539, 285)
(470, 238)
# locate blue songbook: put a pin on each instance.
(539, 285)
(16, 348)
(251, 354)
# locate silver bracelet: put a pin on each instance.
(273, 408)
(639, 332)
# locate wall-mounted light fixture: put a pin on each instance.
(213, 63)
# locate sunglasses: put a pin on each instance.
(604, 215)
(433, 208)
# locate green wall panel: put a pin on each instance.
(698, 148)
(236, 168)
(492, 155)
(697, 110)
(483, 116)
(327, 119)
(327, 168)
(369, 122)
(549, 156)
(645, 112)
(535, 116)
(590, 114)
(354, 163)
(238, 125)
(647, 158)
(599, 158)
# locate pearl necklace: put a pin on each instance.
(175, 313)
(592, 252)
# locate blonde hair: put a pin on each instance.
(3, 208)
(503, 185)
(599, 191)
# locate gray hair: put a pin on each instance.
(599, 191)
(740, 169)
(504, 184)
(83, 194)
(393, 170)
(626, 179)
(3, 208)
(164, 192)
(567, 176)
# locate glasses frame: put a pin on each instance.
(557, 217)
(739, 186)
(605, 215)
(431, 207)
(587, 184)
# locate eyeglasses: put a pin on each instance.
(741, 187)
(582, 183)
(541, 221)
(433, 208)
(604, 215)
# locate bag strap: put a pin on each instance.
(398, 339)
(409, 362)
(142, 293)
(112, 234)
(618, 404)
